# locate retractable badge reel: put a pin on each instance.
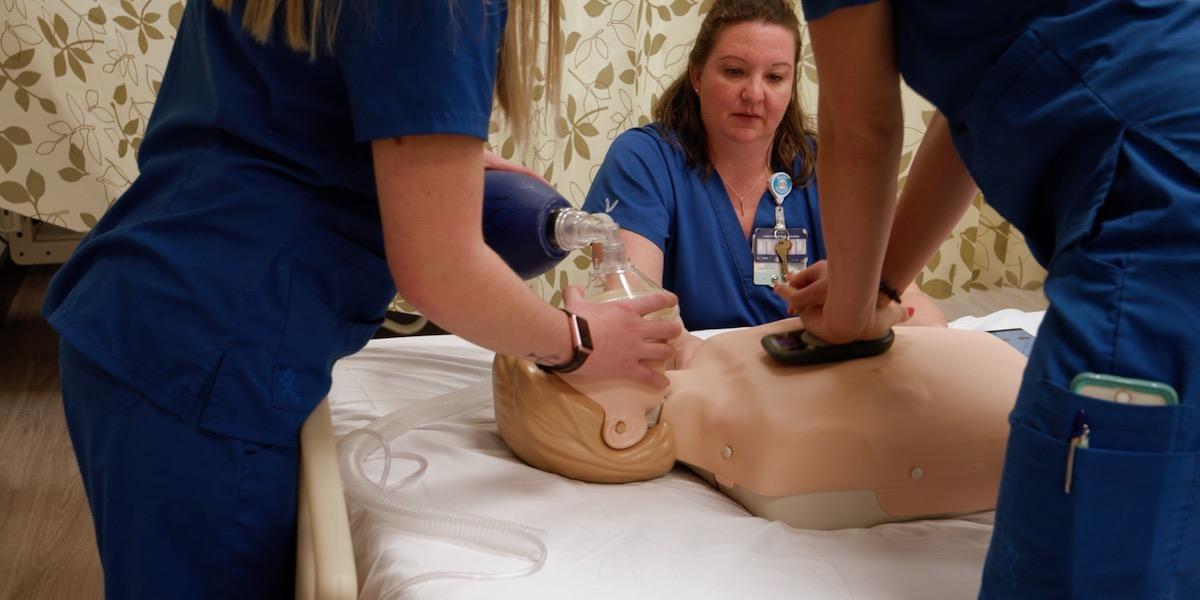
(778, 250)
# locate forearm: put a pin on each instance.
(485, 303)
(644, 255)
(431, 209)
(857, 173)
(860, 132)
(938, 191)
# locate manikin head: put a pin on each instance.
(556, 428)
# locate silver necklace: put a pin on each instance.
(741, 197)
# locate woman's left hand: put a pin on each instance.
(805, 294)
(804, 288)
(493, 162)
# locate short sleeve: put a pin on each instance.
(815, 9)
(419, 66)
(634, 186)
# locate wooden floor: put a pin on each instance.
(47, 548)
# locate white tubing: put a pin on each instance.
(502, 538)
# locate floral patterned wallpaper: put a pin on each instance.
(78, 79)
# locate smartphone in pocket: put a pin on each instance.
(1124, 390)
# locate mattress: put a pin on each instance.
(672, 537)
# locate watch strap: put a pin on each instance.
(581, 345)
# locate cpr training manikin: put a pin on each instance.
(918, 431)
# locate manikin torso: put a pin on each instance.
(915, 432)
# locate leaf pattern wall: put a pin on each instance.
(78, 79)
(621, 54)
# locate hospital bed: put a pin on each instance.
(672, 537)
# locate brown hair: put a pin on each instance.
(518, 46)
(679, 108)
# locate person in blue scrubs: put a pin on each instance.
(1079, 122)
(690, 189)
(285, 194)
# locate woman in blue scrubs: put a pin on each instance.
(690, 190)
(201, 317)
(1081, 125)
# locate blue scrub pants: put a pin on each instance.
(1125, 300)
(179, 512)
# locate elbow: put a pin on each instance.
(413, 292)
(433, 278)
(868, 132)
(874, 138)
(417, 288)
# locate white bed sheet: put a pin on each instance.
(673, 537)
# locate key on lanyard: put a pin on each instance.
(782, 247)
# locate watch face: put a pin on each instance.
(583, 343)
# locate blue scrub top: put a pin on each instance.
(1039, 95)
(944, 48)
(706, 258)
(250, 244)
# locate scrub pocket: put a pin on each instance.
(338, 296)
(1126, 528)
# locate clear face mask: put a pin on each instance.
(614, 277)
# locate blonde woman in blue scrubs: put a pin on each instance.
(285, 159)
(1080, 123)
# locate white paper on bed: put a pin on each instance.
(675, 536)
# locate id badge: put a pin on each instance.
(763, 243)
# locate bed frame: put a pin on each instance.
(324, 554)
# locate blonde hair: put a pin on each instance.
(515, 81)
(553, 427)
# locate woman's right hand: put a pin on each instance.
(885, 315)
(622, 340)
(804, 288)
(806, 291)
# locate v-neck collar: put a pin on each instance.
(736, 244)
